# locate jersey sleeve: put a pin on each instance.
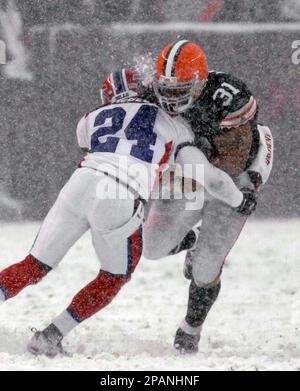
(176, 130)
(241, 116)
(215, 181)
(264, 159)
(82, 133)
(234, 100)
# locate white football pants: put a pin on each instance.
(168, 222)
(79, 208)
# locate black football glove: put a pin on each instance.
(249, 202)
(255, 178)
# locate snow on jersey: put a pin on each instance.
(129, 141)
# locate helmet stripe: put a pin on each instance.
(166, 60)
(124, 79)
(118, 82)
(172, 57)
(111, 79)
(102, 96)
(176, 57)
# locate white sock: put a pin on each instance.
(189, 329)
(65, 322)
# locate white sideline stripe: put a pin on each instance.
(172, 54)
(246, 28)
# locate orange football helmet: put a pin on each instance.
(181, 73)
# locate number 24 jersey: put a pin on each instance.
(129, 141)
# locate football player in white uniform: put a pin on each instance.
(127, 139)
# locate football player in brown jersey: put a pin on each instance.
(222, 113)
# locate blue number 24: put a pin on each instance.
(140, 128)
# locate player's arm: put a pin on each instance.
(82, 134)
(233, 149)
(241, 134)
(216, 182)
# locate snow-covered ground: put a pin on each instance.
(255, 324)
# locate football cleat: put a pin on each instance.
(188, 262)
(186, 343)
(188, 242)
(47, 342)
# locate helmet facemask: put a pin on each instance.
(177, 97)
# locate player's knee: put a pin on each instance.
(116, 281)
(152, 255)
(155, 252)
(203, 282)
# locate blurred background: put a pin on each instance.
(59, 52)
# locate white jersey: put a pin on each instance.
(129, 141)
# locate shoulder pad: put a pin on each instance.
(233, 98)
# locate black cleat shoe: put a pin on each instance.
(47, 342)
(188, 242)
(186, 343)
(188, 262)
